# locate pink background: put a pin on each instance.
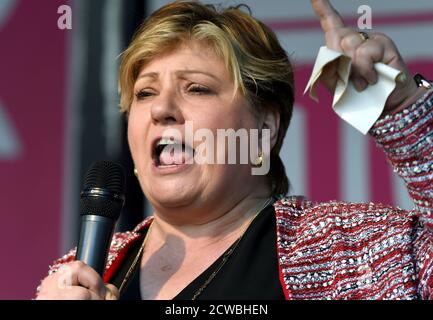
(32, 90)
(33, 93)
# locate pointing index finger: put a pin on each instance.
(329, 17)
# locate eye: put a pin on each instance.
(142, 94)
(199, 89)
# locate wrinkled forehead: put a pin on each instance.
(187, 55)
(191, 54)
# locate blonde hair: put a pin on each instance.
(259, 66)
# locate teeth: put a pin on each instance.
(166, 141)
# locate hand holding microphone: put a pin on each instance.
(101, 202)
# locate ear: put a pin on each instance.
(271, 121)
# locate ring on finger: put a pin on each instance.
(364, 36)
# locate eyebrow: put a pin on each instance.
(179, 72)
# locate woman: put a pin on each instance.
(220, 232)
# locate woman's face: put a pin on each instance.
(190, 84)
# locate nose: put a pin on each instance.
(166, 110)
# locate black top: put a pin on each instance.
(251, 272)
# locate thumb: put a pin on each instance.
(111, 292)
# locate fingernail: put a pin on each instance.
(111, 292)
(111, 297)
(359, 84)
(402, 77)
(372, 81)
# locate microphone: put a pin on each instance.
(101, 201)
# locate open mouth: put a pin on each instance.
(169, 152)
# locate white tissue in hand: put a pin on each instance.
(359, 109)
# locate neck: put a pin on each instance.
(230, 223)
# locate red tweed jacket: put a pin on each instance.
(339, 250)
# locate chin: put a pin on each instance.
(172, 195)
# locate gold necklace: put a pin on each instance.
(228, 254)
(225, 258)
(134, 263)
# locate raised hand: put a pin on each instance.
(364, 53)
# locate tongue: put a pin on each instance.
(173, 155)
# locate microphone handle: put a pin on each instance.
(95, 239)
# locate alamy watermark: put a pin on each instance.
(220, 149)
(64, 22)
(65, 277)
(365, 20)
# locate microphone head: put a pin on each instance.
(103, 191)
